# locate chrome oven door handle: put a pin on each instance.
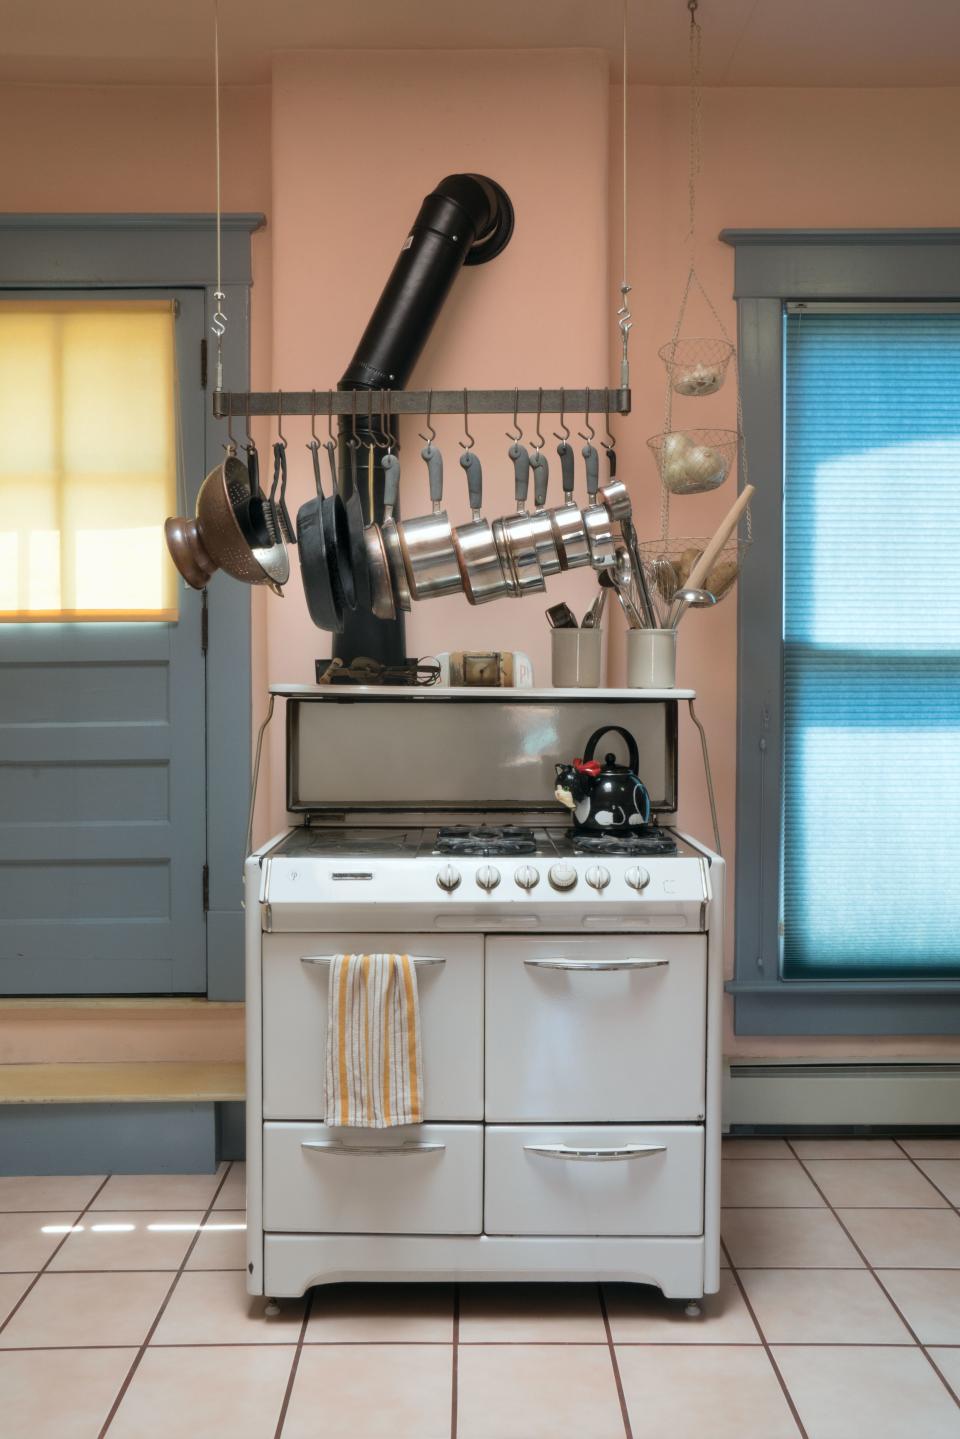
(336, 1147)
(623, 1151)
(598, 965)
(421, 963)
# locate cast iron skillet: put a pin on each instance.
(357, 543)
(323, 541)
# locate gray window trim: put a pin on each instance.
(177, 251)
(772, 269)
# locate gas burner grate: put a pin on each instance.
(485, 839)
(650, 841)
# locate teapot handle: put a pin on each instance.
(633, 754)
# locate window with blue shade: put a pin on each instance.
(871, 645)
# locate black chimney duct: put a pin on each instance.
(466, 220)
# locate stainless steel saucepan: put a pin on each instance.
(596, 517)
(481, 568)
(540, 521)
(569, 531)
(427, 541)
(391, 538)
(514, 535)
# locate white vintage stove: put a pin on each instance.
(570, 1001)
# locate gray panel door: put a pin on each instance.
(103, 780)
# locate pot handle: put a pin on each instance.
(434, 460)
(633, 754)
(565, 452)
(520, 456)
(471, 464)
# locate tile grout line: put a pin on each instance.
(933, 1182)
(624, 1411)
(766, 1345)
(455, 1376)
(294, 1365)
(54, 1252)
(876, 1278)
(111, 1415)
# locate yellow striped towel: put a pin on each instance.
(374, 1076)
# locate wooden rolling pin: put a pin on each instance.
(697, 578)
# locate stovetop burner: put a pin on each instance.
(485, 839)
(651, 840)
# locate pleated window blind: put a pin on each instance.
(871, 645)
(87, 460)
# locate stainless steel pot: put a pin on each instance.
(514, 535)
(429, 557)
(481, 568)
(617, 500)
(540, 522)
(596, 517)
(391, 539)
(569, 531)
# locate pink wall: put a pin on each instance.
(545, 124)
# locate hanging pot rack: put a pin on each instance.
(599, 400)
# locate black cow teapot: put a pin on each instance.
(606, 798)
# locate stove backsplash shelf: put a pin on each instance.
(237, 404)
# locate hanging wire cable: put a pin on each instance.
(624, 317)
(696, 36)
(219, 322)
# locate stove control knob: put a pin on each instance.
(448, 878)
(562, 876)
(598, 877)
(637, 878)
(488, 877)
(527, 877)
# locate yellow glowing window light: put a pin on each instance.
(88, 467)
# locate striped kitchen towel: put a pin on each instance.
(374, 1075)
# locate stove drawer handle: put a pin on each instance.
(364, 1149)
(602, 965)
(625, 1151)
(421, 963)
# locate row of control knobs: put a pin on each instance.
(561, 876)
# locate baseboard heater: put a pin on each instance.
(836, 1098)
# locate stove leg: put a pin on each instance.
(272, 1309)
(692, 1309)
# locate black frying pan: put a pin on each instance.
(324, 543)
(357, 543)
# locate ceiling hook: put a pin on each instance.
(586, 419)
(516, 438)
(466, 426)
(429, 426)
(563, 424)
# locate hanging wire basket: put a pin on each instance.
(667, 564)
(696, 367)
(693, 461)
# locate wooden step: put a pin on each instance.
(142, 1083)
(98, 1029)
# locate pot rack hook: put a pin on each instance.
(230, 444)
(516, 438)
(429, 426)
(281, 437)
(611, 440)
(466, 427)
(249, 442)
(330, 435)
(352, 440)
(586, 420)
(539, 441)
(563, 424)
(315, 438)
(385, 430)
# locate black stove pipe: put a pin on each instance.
(466, 220)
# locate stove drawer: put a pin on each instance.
(596, 1030)
(295, 1019)
(596, 1180)
(416, 1179)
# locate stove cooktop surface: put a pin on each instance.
(412, 841)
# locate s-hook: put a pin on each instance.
(428, 440)
(609, 444)
(230, 444)
(280, 476)
(586, 420)
(563, 424)
(565, 454)
(466, 427)
(516, 438)
(330, 444)
(539, 442)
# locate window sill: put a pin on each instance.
(846, 1007)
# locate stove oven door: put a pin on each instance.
(599, 1030)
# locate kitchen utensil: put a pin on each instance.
(427, 541)
(514, 535)
(694, 461)
(596, 518)
(616, 497)
(484, 575)
(608, 579)
(607, 798)
(696, 599)
(652, 659)
(594, 615)
(214, 539)
(323, 540)
(647, 607)
(697, 578)
(278, 492)
(561, 617)
(389, 530)
(541, 524)
(668, 563)
(576, 658)
(569, 532)
(696, 366)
